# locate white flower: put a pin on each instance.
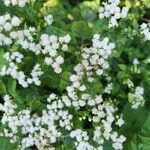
(15, 21)
(145, 30)
(143, 26)
(65, 47)
(135, 61)
(124, 12)
(49, 19)
(2, 20)
(67, 38)
(20, 3)
(73, 78)
(7, 41)
(99, 72)
(52, 97)
(7, 17)
(120, 122)
(137, 99)
(60, 60)
(82, 88)
(95, 57)
(51, 48)
(48, 60)
(58, 70)
(111, 10)
(108, 88)
(8, 26)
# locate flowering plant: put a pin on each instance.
(74, 75)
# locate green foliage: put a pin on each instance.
(6, 145)
(80, 20)
(2, 88)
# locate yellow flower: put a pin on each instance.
(128, 4)
(137, 4)
(92, 4)
(49, 4)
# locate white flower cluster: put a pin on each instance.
(51, 46)
(81, 138)
(95, 57)
(108, 88)
(25, 38)
(145, 30)
(48, 46)
(44, 130)
(111, 10)
(12, 69)
(129, 83)
(58, 120)
(104, 113)
(14, 56)
(7, 23)
(41, 131)
(10, 35)
(20, 3)
(117, 140)
(49, 19)
(35, 75)
(137, 99)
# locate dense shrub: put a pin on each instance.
(74, 74)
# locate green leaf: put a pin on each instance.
(97, 87)
(6, 145)
(11, 86)
(64, 80)
(69, 144)
(50, 78)
(15, 47)
(35, 104)
(2, 60)
(55, 30)
(133, 123)
(81, 30)
(136, 128)
(122, 67)
(88, 14)
(138, 142)
(107, 145)
(146, 127)
(2, 88)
